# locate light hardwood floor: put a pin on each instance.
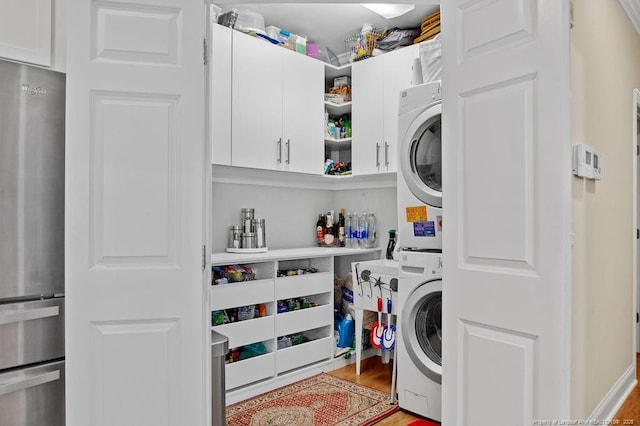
(376, 375)
(630, 410)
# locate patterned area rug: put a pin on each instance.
(321, 400)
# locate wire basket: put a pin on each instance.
(360, 45)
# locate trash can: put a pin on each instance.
(219, 349)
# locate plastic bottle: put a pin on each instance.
(371, 230)
(391, 245)
(347, 127)
(364, 230)
(348, 230)
(301, 45)
(346, 330)
(355, 227)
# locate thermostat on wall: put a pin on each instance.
(595, 173)
(586, 163)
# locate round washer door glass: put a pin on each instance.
(428, 325)
(422, 328)
(421, 156)
(426, 155)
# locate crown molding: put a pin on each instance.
(632, 9)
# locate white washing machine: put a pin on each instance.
(419, 339)
(420, 168)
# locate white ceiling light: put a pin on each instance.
(388, 10)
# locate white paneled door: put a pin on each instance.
(506, 184)
(136, 326)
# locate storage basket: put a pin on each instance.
(360, 45)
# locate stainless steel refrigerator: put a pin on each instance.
(32, 155)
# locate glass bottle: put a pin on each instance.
(329, 232)
(341, 229)
(320, 230)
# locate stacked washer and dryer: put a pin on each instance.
(419, 356)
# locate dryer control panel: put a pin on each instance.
(421, 263)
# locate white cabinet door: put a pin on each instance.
(398, 75)
(367, 116)
(256, 104)
(303, 113)
(507, 248)
(25, 31)
(136, 330)
(220, 94)
(376, 84)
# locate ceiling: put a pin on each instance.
(330, 24)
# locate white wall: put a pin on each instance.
(605, 62)
(291, 213)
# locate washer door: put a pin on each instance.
(421, 156)
(422, 328)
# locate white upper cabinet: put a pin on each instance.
(303, 113)
(398, 75)
(277, 108)
(376, 86)
(367, 116)
(25, 31)
(34, 31)
(220, 94)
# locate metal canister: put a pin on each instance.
(234, 236)
(258, 227)
(246, 218)
(248, 239)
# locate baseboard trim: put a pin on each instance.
(613, 400)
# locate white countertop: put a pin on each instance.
(294, 253)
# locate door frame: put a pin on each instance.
(635, 143)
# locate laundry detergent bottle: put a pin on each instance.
(346, 329)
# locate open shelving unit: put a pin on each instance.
(339, 150)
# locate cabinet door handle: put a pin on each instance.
(377, 154)
(386, 154)
(288, 151)
(279, 143)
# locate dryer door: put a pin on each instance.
(421, 156)
(422, 328)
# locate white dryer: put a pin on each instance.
(420, 168)
(419, 340)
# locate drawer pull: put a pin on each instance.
(31, 314)
(29, 382)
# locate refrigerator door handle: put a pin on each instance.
(29, 382)
(28, 315)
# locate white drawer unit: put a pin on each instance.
(251, 370)
(303, 319)
(242, 293)
(304, 354)
(249, 331)
(295, 278)
(303, 285)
